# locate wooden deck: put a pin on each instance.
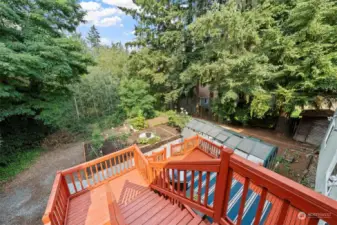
(118, 189)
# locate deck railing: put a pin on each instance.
(209, 147)
(141, 163)
(292, 197)
(86, 176)
(170, 179)
(184, 147)
(90, 174)
(58, 201)
(157, 156)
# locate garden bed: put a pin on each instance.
(165, 132)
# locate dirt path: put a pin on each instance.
(23, 200)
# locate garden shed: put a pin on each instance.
(312, 126)
(247, 147)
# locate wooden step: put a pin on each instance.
(151, 209)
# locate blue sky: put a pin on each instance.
(112, 24)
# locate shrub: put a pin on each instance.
(178, 120)
(149, 141)
(97, 141)
(138, 122)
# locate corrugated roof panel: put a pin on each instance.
(262, 150)
(191, 124)
(206, 129)
(233, 141)
(255, 159)
(240, 153)
(221, 137)
(246, 145)
(199, 126)
(214, 132)
(186, 133)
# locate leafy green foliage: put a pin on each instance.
(38, 59)
(178, 120)
(96, 143)
(135, 98)
(138, 122)
(261, 58)
(149, 141)
(22, 161)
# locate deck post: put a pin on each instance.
(221, 184)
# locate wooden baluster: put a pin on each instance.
(106, 168)
(172, 170)
(221, 185)
(60, 210)
(164, 178)
(80, 179)
(207, 189)
(73, 181)
(57, 215)
(185, 182)
(157, 176)
(128, 160)
(228, 190)
(260, 206)
(122, 165)
(86, 177)
(243, 201)
(97, 173)
(192, 186)
(168, 179)
(115, 166)
(178, 182)
(102, 170)
(111, 167)
(92, 175)
(199, 187)
(283, 213)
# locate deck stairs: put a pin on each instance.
(150, 208)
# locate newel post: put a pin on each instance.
(221, 184)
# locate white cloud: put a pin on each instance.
(121, 25)
(121, 3)
(90, 6)
(105, 41)
(96, 15)
(109, 21)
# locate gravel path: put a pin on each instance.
(23, 200)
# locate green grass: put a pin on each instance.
(22, 161)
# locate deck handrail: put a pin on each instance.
(141, 163)
(291, 194)
(91, 174)
(55, 212)
(157, 156)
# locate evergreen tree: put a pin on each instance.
(37, 59)
(93, 37)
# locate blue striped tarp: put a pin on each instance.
(252, 199)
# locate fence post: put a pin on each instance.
(221, 184)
